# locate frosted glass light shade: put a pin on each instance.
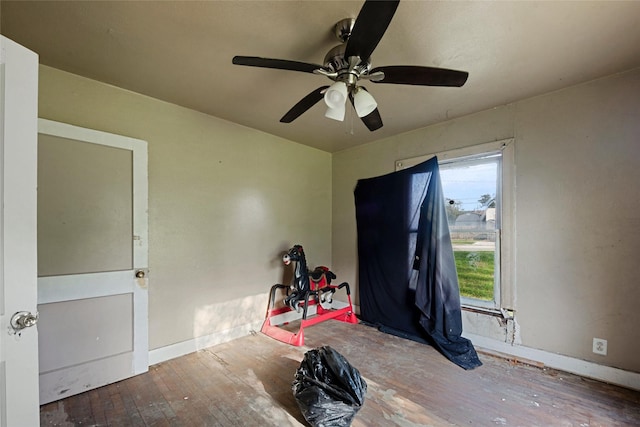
(336, 113)
(364, 102)
(336, 95)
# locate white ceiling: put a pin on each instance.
(181, 51)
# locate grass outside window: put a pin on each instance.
(475, 273)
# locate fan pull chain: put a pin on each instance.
(349, 122)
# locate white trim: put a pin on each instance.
(65, 130)
(456, 153)
(3, 399)
(75, 287)
(18, 226)
(183, 348)
(140, 205)
(557, 361)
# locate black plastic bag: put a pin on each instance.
(329, 391)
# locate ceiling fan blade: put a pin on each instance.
(303, 105)
(280, 64)
(424, 76)
(371, 23)
(372, 121)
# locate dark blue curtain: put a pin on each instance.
(408, 284)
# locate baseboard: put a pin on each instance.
(530, 355)
(172, 351)
(557, 361)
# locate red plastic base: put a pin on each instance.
(344, 314)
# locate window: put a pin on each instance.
(476, 182)
(471, 190)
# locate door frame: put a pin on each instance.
(74, 287)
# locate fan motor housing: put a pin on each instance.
(335, 61)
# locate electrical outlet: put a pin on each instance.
(600, 346)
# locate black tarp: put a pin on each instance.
(408, 283)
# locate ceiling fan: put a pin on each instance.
(350, 62)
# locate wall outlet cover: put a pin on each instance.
(600, 346)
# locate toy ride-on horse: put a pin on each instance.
(309, 289)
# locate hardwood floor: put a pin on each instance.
(247, 382)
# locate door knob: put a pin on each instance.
(140, 274)
(23, 319)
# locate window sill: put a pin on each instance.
(502, 313)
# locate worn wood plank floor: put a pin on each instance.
(247, 382)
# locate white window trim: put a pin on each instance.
(506, 294)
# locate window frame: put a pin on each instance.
(504, 283)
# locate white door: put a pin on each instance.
(92, 259)
(18, 136)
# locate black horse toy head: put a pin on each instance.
(296, 253)
(300, 284)
(301, 274)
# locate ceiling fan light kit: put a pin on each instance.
(336, 113)
(363, 102)
(350, 62)
(336, 95)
